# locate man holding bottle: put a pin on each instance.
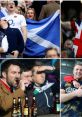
(10, 71)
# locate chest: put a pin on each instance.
(69, 88)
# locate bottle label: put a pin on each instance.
(14, 115)
(35, 111)
(25, 111)
(58, 107)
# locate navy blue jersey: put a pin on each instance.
(73, 107)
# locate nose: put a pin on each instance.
(17, 75)
(43, 74)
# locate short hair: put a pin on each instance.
(16, 2)
(48, 49)
(5, 65)
(37, 63)
(78, 63)
(25, 68)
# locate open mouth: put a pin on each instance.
(11, 7)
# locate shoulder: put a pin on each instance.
(52, 4)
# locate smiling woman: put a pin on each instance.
(31, 13)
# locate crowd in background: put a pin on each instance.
(71, 17)
(14, 14)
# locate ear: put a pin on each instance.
(4, 74)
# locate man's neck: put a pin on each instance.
(11, 12)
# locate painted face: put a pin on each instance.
(77, 72)
(30, 14)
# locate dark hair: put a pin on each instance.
(16, 2)
(5, 65)
(25, 68)
(48, 49)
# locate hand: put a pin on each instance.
(78, 92)
(42, 68)
(15, 53)
(76, 84)
(23, 83)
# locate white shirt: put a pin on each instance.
(4, 44)
(16, 20)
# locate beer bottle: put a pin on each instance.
(19, 109)
(34, 113)
(14, 111)
(57, 107)
(26, 108)
(30, 111)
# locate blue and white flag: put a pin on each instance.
(43, 34)
(1, 15)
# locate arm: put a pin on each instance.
(15, 53)
(68, 96)
(23, 28)
(24, 32)
(66, 25)
(43, 68)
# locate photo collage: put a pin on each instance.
(40, 58)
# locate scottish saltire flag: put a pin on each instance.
(43, 34)
(1, 15)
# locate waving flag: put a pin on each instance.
(43, 34)
(77, 41)
(1, 15)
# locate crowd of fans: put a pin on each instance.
(71, 18)
(13, 15)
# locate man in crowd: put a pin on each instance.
(50, 8)
(71, 97)
(15, 40)
(75, 25)
(10, 71)
(42, 89)
(51, 53)
(16, 20)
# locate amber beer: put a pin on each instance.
(26, 108)
(19, 109)
(34, 113)
(14, 111)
